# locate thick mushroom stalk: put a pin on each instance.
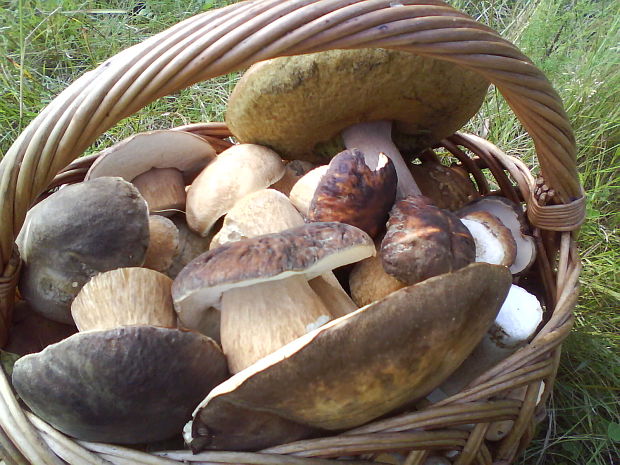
(275, 312)
(373, 138)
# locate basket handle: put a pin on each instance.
(232, 38)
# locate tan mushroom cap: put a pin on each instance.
(358, 367)
(235, 173)
(160, 149)
(292, 103)
(133, 384)
(125, 296)
(262, 212)
(303, 190)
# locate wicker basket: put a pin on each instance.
(232, 38)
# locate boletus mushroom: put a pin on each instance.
(355, 368)
(351, 192)
(159, 163)
(269, 211)
(512, 216)
(74, 234)
(358, 95)
(235, 173)
(262, 283)
(123, 379)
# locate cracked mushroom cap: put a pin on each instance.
(357, 367)
(307, 250)
(76, 233)
(293, 103)
(352, 193)
(127, 385)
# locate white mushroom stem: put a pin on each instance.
(163, 189)
(373, 138)
(259, 319)
(269, 211)
(515, 324)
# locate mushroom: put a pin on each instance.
(133, 383)
(494, 241)
(125, 296)
(158, 163)
(447, 188)
(355, 93)
(266, 301)
(235, 173)
(163, 243)
(423, 241)
(302, 192)
(369, 281)
(269, 211)
(512, 216)
(351, 192)
(75, 233)
(355, 368)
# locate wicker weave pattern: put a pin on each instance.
(232, 38)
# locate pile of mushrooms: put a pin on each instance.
(298, 283)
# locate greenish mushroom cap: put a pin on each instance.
(291, 104)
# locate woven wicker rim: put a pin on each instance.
(232, 38)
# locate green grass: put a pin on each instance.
(45, 45)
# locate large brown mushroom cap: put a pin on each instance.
(76, 233)
(132, 384)
(358, 367)
(309, 250)
(290, 104)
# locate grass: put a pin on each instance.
(46, 44)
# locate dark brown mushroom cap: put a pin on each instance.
(310, 249)
(292, 103)
(131, 384)
(424, 241)
(76, 233)
(358, 367)
(350, 192)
